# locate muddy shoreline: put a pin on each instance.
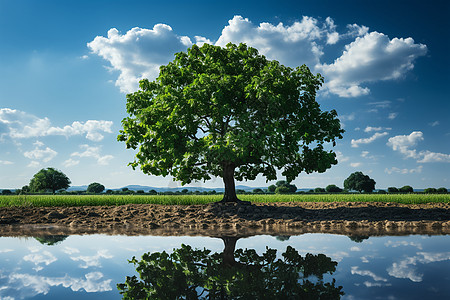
(240, 220)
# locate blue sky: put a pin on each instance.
(66, 66)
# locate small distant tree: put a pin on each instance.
(406, 189)
(442, 190)
(6, 192)
(95, 188)
(49, 179)
(272, 188)
(359, 182)
(184, 191)
(382, 192)
(258, 191)
(140, 192)
(430, 191)
(153, 192)
(319, 190)
(25, 189)
(284, 187)
(332, 188)
(109, 192)
(392, 190)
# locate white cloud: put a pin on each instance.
(18, 124)
(404, 144)
(39, 259)
(34, 164)
(91, 128)
(370, 128)
(92, 261)
(381, 104)
(70, 250)
(355, 164)
(395, 244)
(33, 285)
(377, 135)
(357, 30)
(340, 157)
(39, 153)
(70, 163)
(392, 116)
(428, 156)
(369, 57)
(406, 267)
(357, 271)
(92, 152)
(292, 45)
(433, 124)
(373, 57)
(138, 53)
(6, 162)
(403, 171)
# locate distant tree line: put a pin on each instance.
(51, 181)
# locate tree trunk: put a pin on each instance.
(228, 251)
(228, 180)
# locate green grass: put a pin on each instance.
(90, 200)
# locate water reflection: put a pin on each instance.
(89, 267)
(189, 273)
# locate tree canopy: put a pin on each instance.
(188, 273)
(359, 182)
(49, 179)
(95, 188)
(231, 113)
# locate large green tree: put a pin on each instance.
(49, 179)
(231, 113)
(359, 182)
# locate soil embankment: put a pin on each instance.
(349, 218)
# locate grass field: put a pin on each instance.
(80, 200)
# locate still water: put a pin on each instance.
(91, 266)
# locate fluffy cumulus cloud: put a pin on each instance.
(406, 268)
(367, 56)
(18, 125)
(370, 58)
(294, 45)
(27, 285)
(139, 52)
(377, 135)
(405, 144)
(89, 152)
(40, 153)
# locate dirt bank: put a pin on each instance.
(350, 218)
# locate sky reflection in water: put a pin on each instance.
(403, 267)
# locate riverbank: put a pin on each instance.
(215, 219)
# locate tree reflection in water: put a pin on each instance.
(189, 273)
